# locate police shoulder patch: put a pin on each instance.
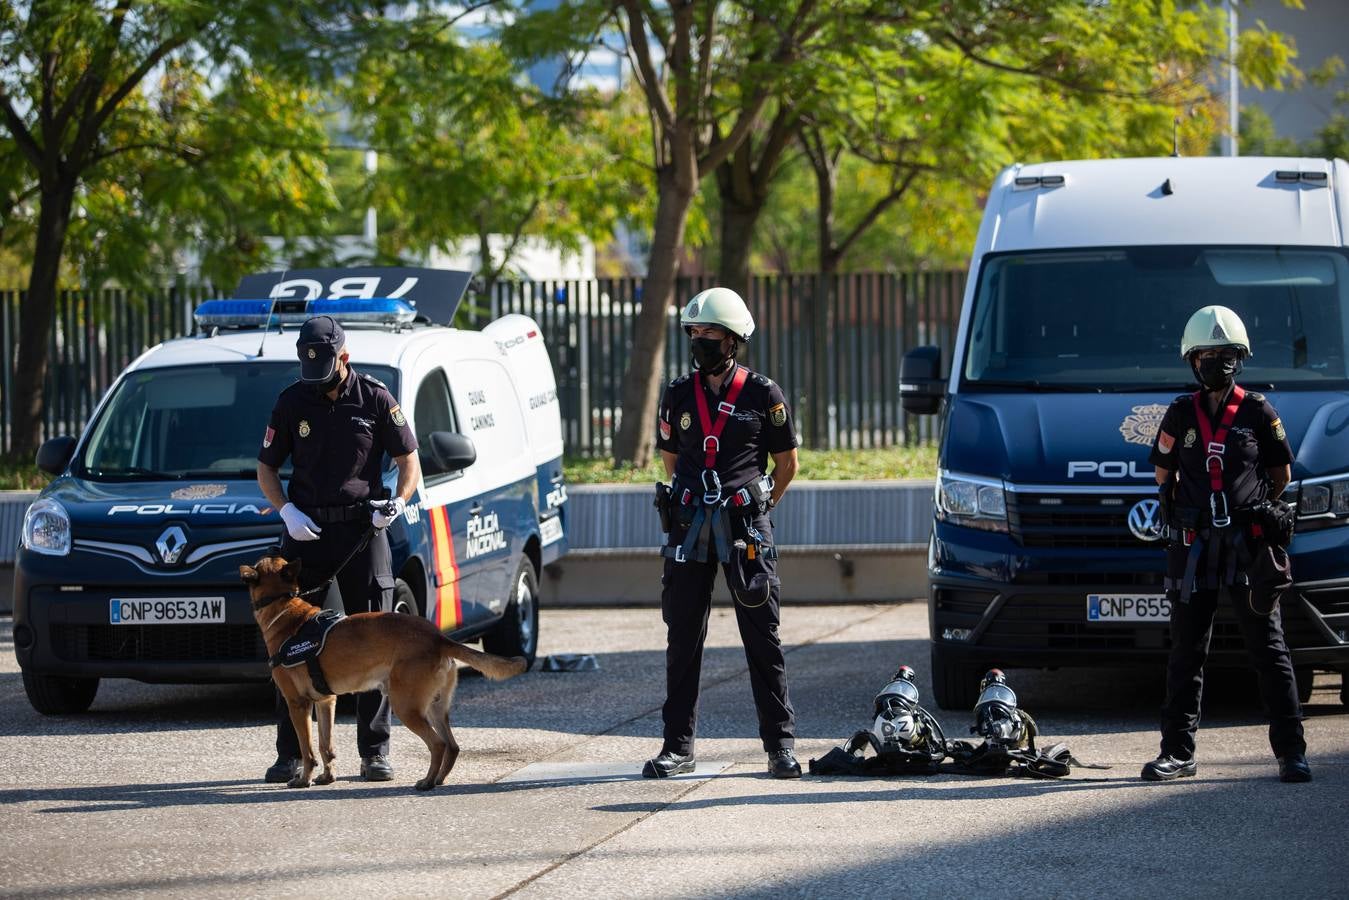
(1278, 429)
(397, 415)
(778, 414)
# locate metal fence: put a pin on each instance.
(852, 401)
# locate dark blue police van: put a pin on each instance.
(1046, 547)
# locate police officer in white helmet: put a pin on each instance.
(717, 428)
(1222, 459)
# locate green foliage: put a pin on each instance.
(470, 149)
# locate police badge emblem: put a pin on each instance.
(398, 418)
(685, 421)
(1140, 426)
(198, 492)
(1190, 437)
(312, 354)
(304, 428)
(778, 415)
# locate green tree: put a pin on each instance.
(473, 151)
(131, 119)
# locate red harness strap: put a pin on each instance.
(712, 432)
(1215, 442)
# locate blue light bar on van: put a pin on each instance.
(290, 311)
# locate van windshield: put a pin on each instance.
(1111, 319)
(202, 421)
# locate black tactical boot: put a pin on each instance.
(782, 764)
(376, 768)
(1168, 768)
(1293, 768)
(282, 771)
(668, 764)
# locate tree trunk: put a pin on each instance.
(642, 382)
(27, 405)
(737, 242)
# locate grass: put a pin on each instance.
(816, 465)
(16, 476)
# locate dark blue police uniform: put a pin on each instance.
(337, 449)
(759, 424)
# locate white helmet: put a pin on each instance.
(719, 306)
(1214, 326)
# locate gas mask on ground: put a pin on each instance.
(897, 725)
(996, 717)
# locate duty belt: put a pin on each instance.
(327, 515)
(1223, 547)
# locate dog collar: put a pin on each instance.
(264, 602)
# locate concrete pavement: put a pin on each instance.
(157, 790)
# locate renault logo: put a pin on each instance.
(171, 543)
(1144, 522)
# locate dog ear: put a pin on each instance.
(248, 574)
(291, 570)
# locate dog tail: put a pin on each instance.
(497, 668)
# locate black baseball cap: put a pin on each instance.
(321, 339)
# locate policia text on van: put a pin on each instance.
(1047, 543)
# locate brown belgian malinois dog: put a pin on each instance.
(405, 655)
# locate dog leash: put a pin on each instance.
(360, 545)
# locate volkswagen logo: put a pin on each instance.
(171, 543)
(1144, 522)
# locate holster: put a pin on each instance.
(664, 500)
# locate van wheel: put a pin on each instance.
(55, 695)
(517, 634)
(1305, 677)
(1344, 688)
(955, 684)
(404, 600)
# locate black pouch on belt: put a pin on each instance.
(1276, 520)
(1271, 575)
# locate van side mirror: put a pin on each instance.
(921, 387)
(449, 452)
(55, 453)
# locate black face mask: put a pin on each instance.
(333, 381)
(1216, 373)
(708, 355)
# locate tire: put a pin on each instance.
(404, 600)
(1344, 688)
(55, 695)
(1305, 677)
(955, 684)
(517, 634)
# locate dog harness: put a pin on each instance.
(304, 646)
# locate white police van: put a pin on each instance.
(128, 566)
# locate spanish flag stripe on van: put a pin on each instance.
(449, 609)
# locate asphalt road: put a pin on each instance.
(157, 791)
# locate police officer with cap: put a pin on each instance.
(717, 428)
(1222, 460)
(335, 425)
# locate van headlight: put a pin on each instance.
(46, 528)
(1323, 503)
(973, 502)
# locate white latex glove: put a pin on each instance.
(395, 507)
(299, 526)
